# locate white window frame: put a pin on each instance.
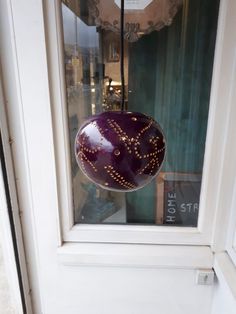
(218, 116)
(224, 224)
(5, 224)
(230, 171)
(231, 238)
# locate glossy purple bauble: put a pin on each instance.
(120, 151)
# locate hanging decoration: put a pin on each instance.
(141, 16)
(120, 150)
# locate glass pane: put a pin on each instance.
(169, 55)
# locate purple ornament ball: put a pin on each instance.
(119, 150)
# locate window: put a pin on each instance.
(168, 76)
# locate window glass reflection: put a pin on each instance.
(168, 76)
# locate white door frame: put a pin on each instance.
(10, 224)
(31, 57)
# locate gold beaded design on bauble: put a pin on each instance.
(118, 178)
(131, 144)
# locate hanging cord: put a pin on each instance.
(122, 76)
(76, 37)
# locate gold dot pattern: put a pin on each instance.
(118, 178)
(99, 129)
(97, 148)
(151, 163)
(124, 137)
(144, 129)
(82, 157)
(132, 144)
(129, 141)
(121, 134)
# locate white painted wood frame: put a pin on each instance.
(224, 223)
(50, 107)
(32, 64)
(218, 114)
(5, 225)
(44, 100)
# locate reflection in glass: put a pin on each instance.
(168, 76)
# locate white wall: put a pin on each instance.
(224, 299)
(106, 290)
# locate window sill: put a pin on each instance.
(135, 255)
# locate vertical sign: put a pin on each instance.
(181, 200)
